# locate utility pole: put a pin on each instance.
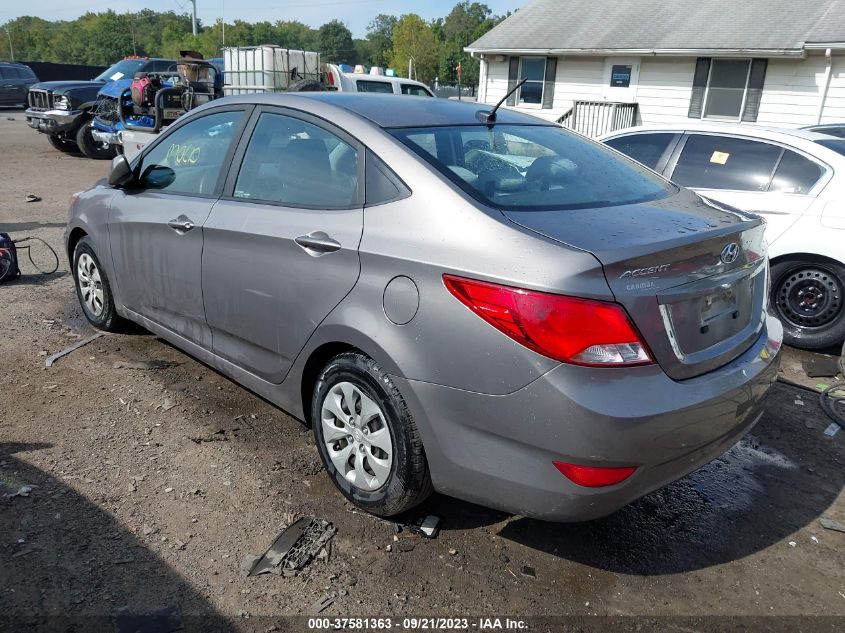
(194, 22)
(11, 50)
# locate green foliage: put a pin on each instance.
(103, 38)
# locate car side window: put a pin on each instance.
(4, 72)
(374, 86)
(295, 163)
(724, 162)
(647, 149)
(416, 91)
(795, 174)
(188, 161)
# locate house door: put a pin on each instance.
(621, 75)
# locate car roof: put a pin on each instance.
(744, 129)
(392, 111)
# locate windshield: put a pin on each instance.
(534, 168)
(124, 69)
(835, 144)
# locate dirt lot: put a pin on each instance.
(150, 486)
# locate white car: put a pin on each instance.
(365, 82)
(793, 178)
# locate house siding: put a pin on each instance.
(790, 98)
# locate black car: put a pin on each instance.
(15, 80)
(64, 109)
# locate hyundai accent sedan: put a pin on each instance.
(481, 304)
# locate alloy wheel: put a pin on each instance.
(90, 284)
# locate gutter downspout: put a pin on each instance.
(828, 71)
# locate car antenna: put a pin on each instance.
(489, 118)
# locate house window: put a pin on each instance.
(726, 88)
(534, 70)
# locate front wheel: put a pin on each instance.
(63, 145)
(366, 437)
(808, 299)
(93, 289)
(90, 146)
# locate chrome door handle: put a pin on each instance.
(318, 241)
(181, 223)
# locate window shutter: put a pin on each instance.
(549, 87)
(699, 87)
(513, 78)
(754, 94)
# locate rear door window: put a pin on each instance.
(295, 163)
(647, 149)
(795, 174)
(416, 91)
(374, 86)
(725, 162)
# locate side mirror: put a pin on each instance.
(121, 171)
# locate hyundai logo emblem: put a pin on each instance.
(729, 253)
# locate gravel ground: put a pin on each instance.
(150, 487)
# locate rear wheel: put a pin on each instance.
(91, 147)
(63, 145)
(305, 85)
(808, 298)
(367, 439)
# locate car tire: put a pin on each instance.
(808, 296)
(305, 85)
(90, 147)
(67, 147)
(366, 437)
(93, 289)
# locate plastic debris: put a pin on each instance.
(33, 198)
(830, 524)
(428, 526)
(52, 359)
(792, 543)
(23, 491)
(832, 430)
(293, 548)
(529, 571)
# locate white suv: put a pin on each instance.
(793, 178)
(363, 82)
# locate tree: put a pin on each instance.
(464, 24)
(296, 35)
(380, 38)
(334, 42)
(414, 41)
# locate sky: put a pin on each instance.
(356, 14)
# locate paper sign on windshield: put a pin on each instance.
(720, 158)
(116, 76)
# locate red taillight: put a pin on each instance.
(331, 78)
(568, 329)
(594, 476)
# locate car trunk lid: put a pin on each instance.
(692, 274)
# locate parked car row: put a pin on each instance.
(795, 179)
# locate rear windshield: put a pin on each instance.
(837, 145)
(533, 168)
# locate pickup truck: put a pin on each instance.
(63, 110)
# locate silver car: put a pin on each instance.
(485, 305)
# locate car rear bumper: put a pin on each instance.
(499, 450)
(51, 121)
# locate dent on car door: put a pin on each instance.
(751, 175)
(281, 246)
(155, 227)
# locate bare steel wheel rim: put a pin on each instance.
(356, 436)
(809, 297)
(90, 284)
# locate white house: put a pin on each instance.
(775, 62)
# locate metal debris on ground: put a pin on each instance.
(293, 548)
(143, 364)
(830, 524)
(529, 571)
(428, 526)
(33, 198)
(52, 359)
(323, 603)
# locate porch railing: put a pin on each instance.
(594, 118)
